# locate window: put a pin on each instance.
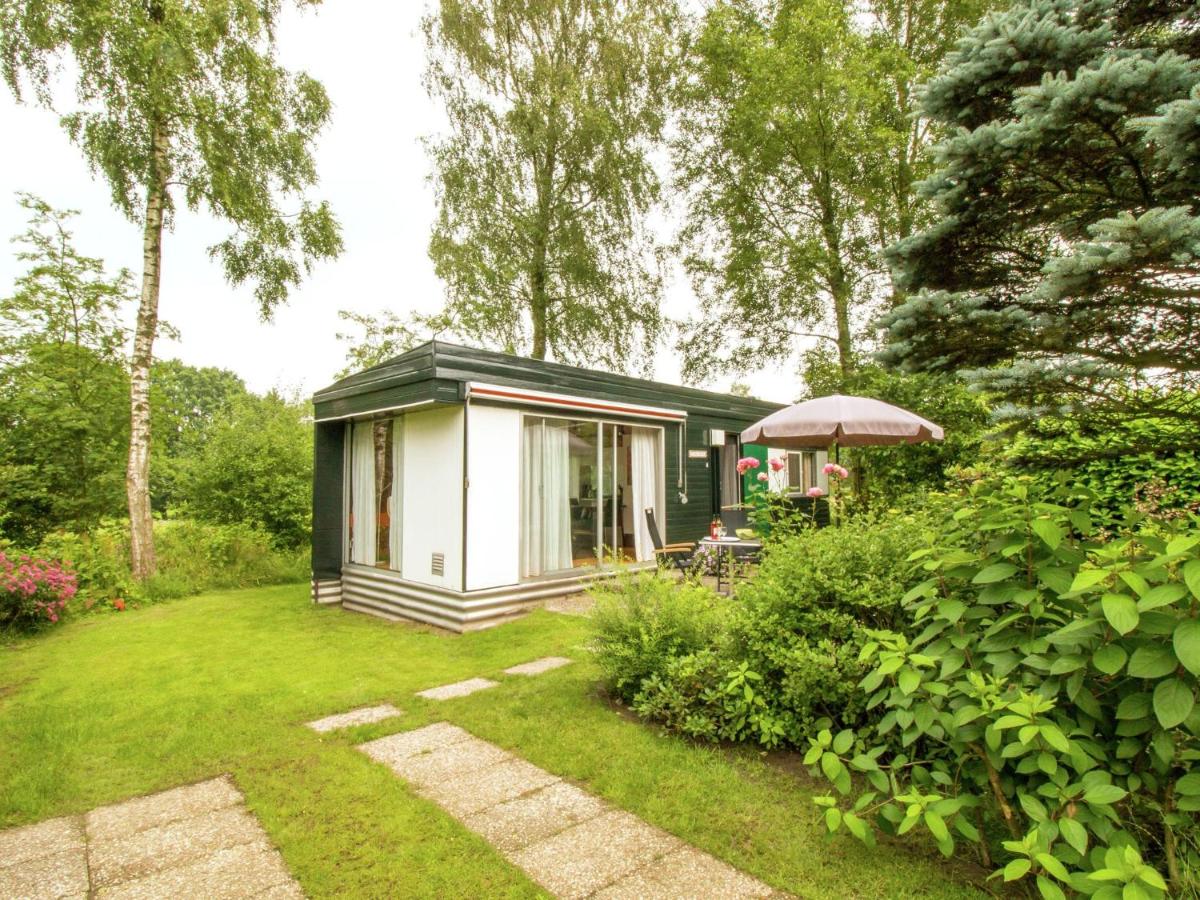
(802, 470)
(585, 488)
(375, 492)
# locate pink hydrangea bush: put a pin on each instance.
(34, 592)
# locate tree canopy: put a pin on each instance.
(63, 386)
(1062, 269)
(797, 154)
(545, 180)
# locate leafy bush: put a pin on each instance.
(641, 622)
(33, 592)
(192, 557)
(1044, 685)
(98, 557)
(205, 556)
(255, 467)
(1147, 461)
(769, 665)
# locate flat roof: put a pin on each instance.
(436, 372)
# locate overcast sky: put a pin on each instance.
(374, 172)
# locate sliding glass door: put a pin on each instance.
(374, 526)
(585, 488)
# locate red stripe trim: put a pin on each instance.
(577, 404)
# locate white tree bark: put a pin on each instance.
(137, 475)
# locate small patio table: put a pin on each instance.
(728, 549)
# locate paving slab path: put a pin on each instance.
(363, 716)
(458, 689)
(193, 841)
(538, 666)
(568, 841)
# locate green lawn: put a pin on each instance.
(125, 704)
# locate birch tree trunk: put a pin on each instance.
(137, 473)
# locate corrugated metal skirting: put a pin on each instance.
(383, 593)
(327, 591)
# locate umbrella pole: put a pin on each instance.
(833, 513)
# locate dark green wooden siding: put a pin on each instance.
(329, 444)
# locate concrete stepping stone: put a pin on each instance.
(193, 841)
(452, 761)
(367, 715)
(122, 819)
(516, 824)
(686, 873)
(571, 843)
(43, 839)
(586, 857)
(538, 666)
(472, 793)
(170, 845)
(458, 689)
(234, 872)
(396, 747)
(59, 873)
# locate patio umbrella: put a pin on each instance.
(843, 421)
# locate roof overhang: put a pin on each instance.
(567, 402)
(368, 413)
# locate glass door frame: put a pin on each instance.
(602, 422)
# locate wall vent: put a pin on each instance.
(438, 565)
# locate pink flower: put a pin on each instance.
(763, 476)
(830, 468)
(778, 465)
(815, 492)
(843, 472)
(746, 463)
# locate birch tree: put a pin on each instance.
(182, 104)
(545, 179)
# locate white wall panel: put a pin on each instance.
(433, 482)
(494, 497)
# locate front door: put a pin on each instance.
(726, 481)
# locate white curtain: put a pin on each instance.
(396, 501)
(362, 487)
(546, 504)
(644, 475)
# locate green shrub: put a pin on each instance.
(779, 658)
(255, 467)
(1043, 688)
(1149, 462)
(99, 558)
(642, 621)
(192, 557)
(831, 581)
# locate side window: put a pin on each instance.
(802, 470)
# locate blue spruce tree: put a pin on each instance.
(1063, 269)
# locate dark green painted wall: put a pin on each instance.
(329, 444)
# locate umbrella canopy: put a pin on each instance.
(845, 421)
